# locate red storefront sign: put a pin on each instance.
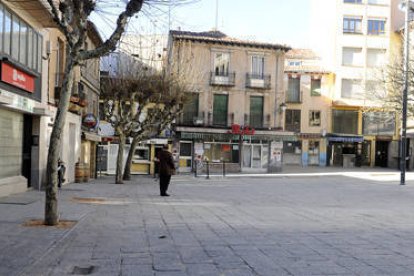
(238, 129)
(16, 77)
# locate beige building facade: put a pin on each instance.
(235, 98)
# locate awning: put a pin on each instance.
(91, 136)
(233, 137)
(345, 138)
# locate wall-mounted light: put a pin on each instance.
(282, 107)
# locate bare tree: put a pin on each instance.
(160, 113)
(71, 16)
(140, 106)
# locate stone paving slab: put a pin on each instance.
(324, 225)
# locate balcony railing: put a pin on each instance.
(258, 81)
(222, 79)
(190, 120)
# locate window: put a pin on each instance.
(375, 57)
(141, 153)
(353, 1)
(221, 64)
(190, 109)
(19, 41)
(1, 27)
(345, 121)
(294, 63)
(378, 123)
(352, 56)
(292, 147)
(293, 93)
(7, 32)
(292, 120)
(217, 152)
(376, 26)
(314, 118)
(315, 87)
(313, 147)
(352, 89)
(256, 111)
(15, 37)
(379, 2)
(220, 110)
(257, 67)
(23, 43)
(352, 25)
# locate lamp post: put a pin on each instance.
(406, 5)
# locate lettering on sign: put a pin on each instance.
(17, 78)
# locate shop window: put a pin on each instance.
(185, 149)
(141, 153)
(221, 152)
(314, 118)
(292, 147)
(345, 121)
(314, 147)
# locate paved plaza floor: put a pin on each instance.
(359, 223)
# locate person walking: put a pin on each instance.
(166, 169)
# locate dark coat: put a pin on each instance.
(167, 166)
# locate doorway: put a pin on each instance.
(381, 153)
(27, 148)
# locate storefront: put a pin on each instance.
(239, 152)
(345, 150)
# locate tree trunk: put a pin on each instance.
(120, 159)
(51, 203)
(127, 171)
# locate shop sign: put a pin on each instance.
(241, 130)
(89, 120)
(17, 78)
(19, 102)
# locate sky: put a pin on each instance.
(275, 21)
(278, 21)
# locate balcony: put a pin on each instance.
(190, 120)
(258, 81)
(222, 79)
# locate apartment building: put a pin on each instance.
(308, 95)
(236, 100)
(23, 104)
(360, 39)
(80, 133)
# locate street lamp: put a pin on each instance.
(407, 7)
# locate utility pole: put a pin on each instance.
(407, 6)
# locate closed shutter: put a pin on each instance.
(256, 111)
(11, 143)
(220, 110)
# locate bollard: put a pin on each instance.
(208, 170)
(195, 171)
(224, 169)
